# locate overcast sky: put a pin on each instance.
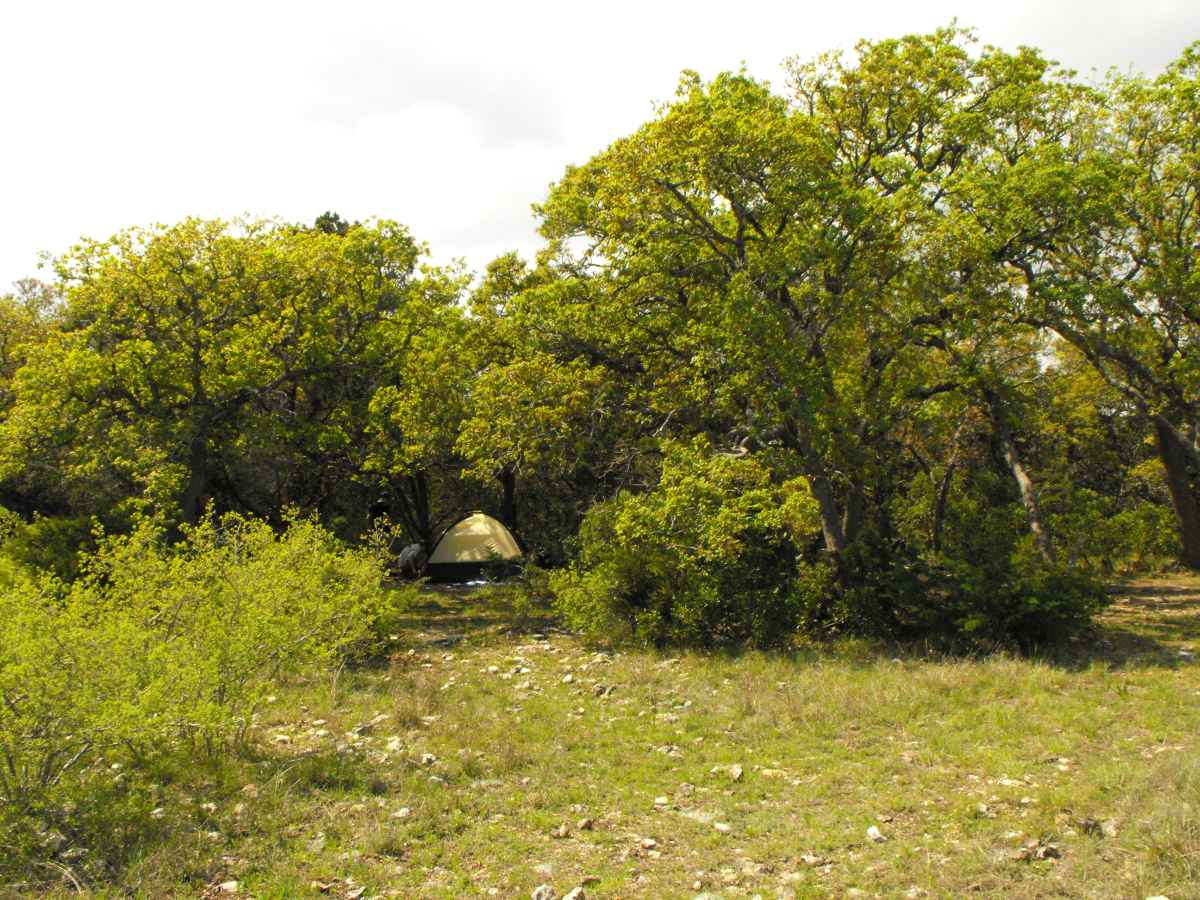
(449, 117)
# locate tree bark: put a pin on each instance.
(410, 496)
(1029, 498)
(831, 519)
(508, 502)
(197, 485)
(822, 490)
(420, 489)
(853, 514)
(939, 508)
(1175, 457)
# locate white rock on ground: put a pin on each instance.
(544, 892)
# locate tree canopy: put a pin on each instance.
(917, 333)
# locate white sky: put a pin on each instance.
(451, 118)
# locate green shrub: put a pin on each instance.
(718, 553)
(1095, 532)
(1025, 602)
(157, 650)
(705, 558)
(51, 544)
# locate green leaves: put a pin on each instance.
(188, 352)
(158, 647)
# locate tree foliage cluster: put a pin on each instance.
(908, 344)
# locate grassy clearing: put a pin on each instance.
(486, 759)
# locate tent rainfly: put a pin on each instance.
(471, 545)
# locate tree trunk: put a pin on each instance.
(410, 494)
(1029, 499)
(424, 523)
(853, 514)
(831, 519)
(822, 490)
(939, 508)
(197, 485)
(1174, 458)
(508, 502)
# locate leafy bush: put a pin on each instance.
(1023, 601)
(1095, 532)
(157, 649)
(705, 558)
(718, 553)
(49, 544)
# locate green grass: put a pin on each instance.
(960, 763)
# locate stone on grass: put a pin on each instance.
(585, 824)
(723, 827)
(648, 843)
(544, 892)
(575, 894)
(1035, 850)
(54, 841)
(228, 887)
(875, 834)
(561, 831)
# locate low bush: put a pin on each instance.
(157, 650)
(51, 544)
(719, 553)
(705, 558)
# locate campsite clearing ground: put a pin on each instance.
(484, 760)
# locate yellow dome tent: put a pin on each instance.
(471, 545)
